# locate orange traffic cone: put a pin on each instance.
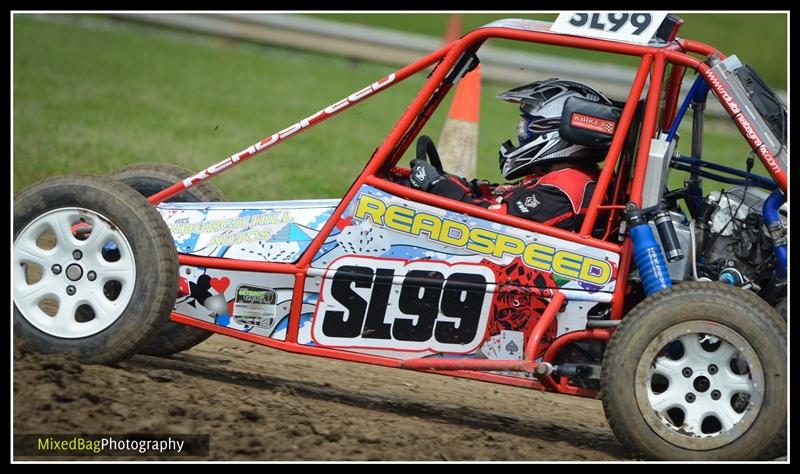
(458, 144)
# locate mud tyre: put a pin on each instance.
(148, 179)
(698, 372)
(95, 269)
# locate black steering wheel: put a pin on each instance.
(426, 151)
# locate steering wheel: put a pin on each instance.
(426, 151)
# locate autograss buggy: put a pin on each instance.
(669, 304)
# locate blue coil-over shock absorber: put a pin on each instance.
(777, 230)
(646, 252)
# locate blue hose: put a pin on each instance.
(773, 219)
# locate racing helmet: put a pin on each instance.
(541, 104)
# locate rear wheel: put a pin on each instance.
(698, 372)
(88, 253)
(148, 179)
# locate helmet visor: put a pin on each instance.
(523, 133)
(532, 105)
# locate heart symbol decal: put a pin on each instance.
(220, 284)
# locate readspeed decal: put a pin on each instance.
(288, 131)
(380, 224)
(404, 306)
(483, 241)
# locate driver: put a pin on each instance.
(556, 178)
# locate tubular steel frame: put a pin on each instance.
(654, 60)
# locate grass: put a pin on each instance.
(93, 100)
(91, 95)
(757, 38)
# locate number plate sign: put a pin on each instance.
(627, 27)
(406, 306)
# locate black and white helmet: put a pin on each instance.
(541, 104)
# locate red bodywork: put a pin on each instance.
(654, 60)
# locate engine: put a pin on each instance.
(734, 245)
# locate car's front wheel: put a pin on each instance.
(698, 372)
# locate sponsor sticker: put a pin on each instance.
(592, 123)
(481, 240)
(254, 306)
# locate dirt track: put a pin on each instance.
(261, 404)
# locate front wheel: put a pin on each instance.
(698, 372)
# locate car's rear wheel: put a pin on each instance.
(95, 268)
(148, 179)
(698, 372)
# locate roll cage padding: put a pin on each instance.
(588, 123)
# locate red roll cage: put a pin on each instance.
(654, 59)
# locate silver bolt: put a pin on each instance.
(690, 397)
(70, 290)
(91, 276)
(56, 269)
(77, 254)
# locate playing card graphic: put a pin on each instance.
(199, 290)
(511, 343)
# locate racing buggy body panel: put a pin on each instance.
(476, 275)
(254, 231)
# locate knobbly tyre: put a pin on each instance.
(675, 318)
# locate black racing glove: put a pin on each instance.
(424, 175)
